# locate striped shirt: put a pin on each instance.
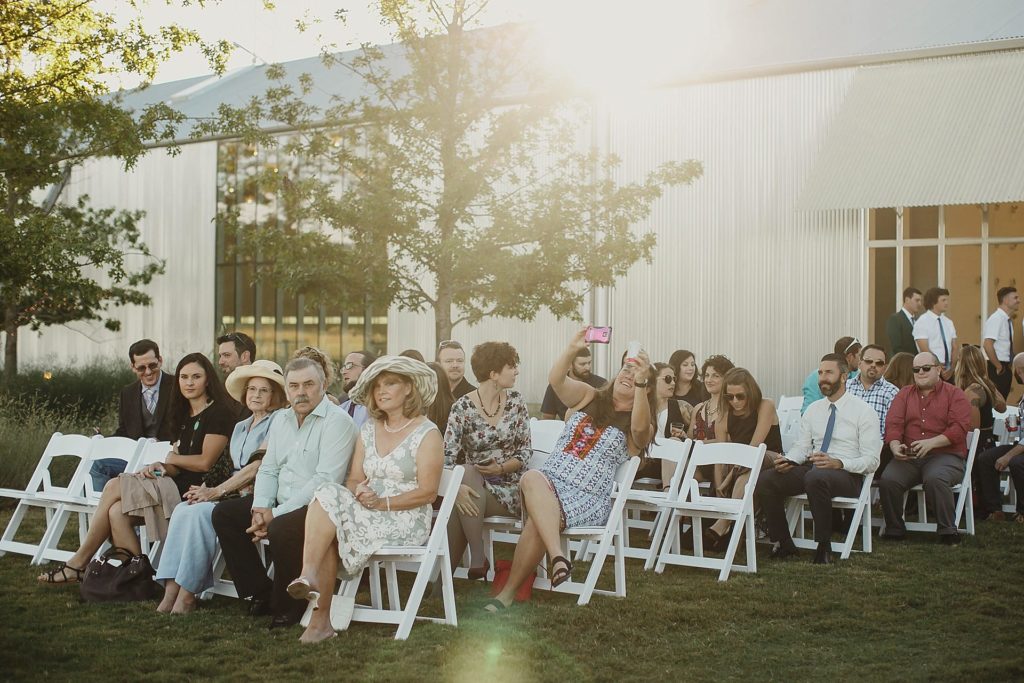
(879, 396)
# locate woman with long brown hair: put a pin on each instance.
(971, 375)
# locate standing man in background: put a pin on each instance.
(936, 333)
(997, 339)
(899, 328)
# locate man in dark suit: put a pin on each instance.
(899, 328)
(144, 409)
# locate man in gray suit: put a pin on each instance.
(899, 328)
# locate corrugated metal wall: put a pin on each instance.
(179, 197)
(737, 270)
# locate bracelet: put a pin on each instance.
(642, 385)
(388, 501)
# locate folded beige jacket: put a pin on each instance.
(152, 499)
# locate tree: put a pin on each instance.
(61, 263)
(456, 182)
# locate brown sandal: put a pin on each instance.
(62, 571)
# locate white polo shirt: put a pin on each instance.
(997, 328)
(927, 328)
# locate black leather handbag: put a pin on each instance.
(128, 581)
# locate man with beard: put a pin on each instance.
(452, 358)
(873, 389)
(552, 408)
(309, 444)
(839, 443)
(355, 363)
(926, 430)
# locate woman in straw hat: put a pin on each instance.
(395, 472)
(187, 561)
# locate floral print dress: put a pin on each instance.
(469, 440)
(362, 531)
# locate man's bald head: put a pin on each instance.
(926, 379)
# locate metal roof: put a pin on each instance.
(924, 133)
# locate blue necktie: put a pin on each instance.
(149, 395)
(945, 344)
(829, 426)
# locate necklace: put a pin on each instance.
(389, 430)
(497, 408)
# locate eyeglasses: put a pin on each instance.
(449, 344)
(876, 363)
(349, 365)
(151, 367)
(669, 379)
(735, 397)
(922, 368)
(855, 342)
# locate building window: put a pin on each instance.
(972, 250)
(279, 322)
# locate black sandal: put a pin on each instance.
(563, 574)
(495, 606)
(63, 570)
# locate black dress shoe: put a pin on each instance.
(781, 552)
(823, 556)
(950, 539)
(283, 621)
(259, 607)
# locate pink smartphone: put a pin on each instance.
(598, 335)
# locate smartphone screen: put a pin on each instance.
(598, 335)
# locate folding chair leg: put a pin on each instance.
(394, 598)
(656, 540)
(412, 603)
(730, 553)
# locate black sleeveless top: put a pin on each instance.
(741, 430)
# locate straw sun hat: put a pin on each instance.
(421, 374)
(236, 381)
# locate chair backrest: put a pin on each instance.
(738, 454)
(673, 451)
(113, 447)
(153, 451)
(973, 439)
(448, 489)
(60, 446)
(544, 434)
(537, 459)
(789, 419)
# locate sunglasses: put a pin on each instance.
(349, 365)
(876, 363)
(669, 379)
(147, 368)
(922, 368)
(855, 342)
(735, 397)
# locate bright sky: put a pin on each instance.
(580, 32)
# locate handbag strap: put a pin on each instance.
(117, 552)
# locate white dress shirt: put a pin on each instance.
(997, 328)
(855, 438)
(927, 327)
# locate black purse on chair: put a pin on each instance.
(129, 581)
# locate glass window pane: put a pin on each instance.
(920, 222)
(920, 267)
(883, 224)
(963, 280)
(962, 220)
(1006, 220)
(883, 292)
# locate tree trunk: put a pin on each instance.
(11, 346)
(442, 316)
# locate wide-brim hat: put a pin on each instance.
(421, 374)
(267, 369)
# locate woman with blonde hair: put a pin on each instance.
(971, 375)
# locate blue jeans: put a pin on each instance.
(105, 469)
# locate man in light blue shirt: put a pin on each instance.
(849, 348)
(309, 444)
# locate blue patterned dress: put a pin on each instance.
(582, 469)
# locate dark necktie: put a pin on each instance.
(945, 343)
(829, 426)
(1009, 324)
(352, 409)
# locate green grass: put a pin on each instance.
(909, 611)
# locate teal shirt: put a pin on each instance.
(811, 391)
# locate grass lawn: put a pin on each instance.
(909, 611)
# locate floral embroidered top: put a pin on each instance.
(469, 440)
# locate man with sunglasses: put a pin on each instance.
(353, 368)
(926, 429)
(870, 386)
(452, 358)
(234, 349)
(848, 348)
(143, 407)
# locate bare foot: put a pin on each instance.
(185, 603)
(166, 605)
(311, 635)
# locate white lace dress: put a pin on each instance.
(362, 531)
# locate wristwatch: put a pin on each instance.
(642, 385)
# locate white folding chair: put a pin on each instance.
(42, 492)
(544, 434)
(964, 504)
(609, 539)
(431, 556)
(640, 501)
(690, 503)
(861, 506)
(86, 498)
(789, 419)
